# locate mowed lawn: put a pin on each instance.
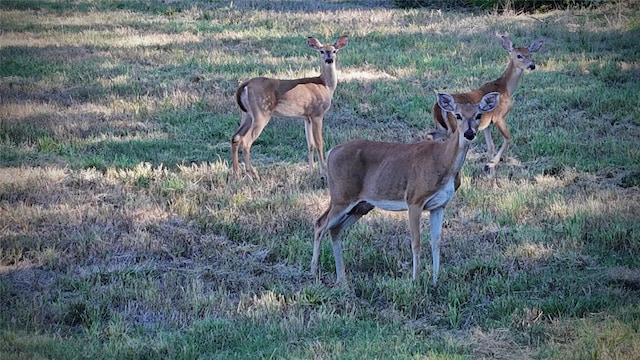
(124, 235)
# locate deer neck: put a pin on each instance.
(329, 75)
(459, 148)
(511, 77)
(454, 151)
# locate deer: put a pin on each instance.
(415, 177)
(260, 98)
(519, 60)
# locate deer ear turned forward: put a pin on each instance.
(261, 98)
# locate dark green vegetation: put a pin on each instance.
(120, 236)
(504, 5)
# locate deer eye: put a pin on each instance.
(458, 116)
(520, 56)
(478, 116)
(322, 51)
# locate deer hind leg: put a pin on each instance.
(319, 231)
(333, 222)
(491, 148)
(506, 135)
(333, 219)
(238, 138)
(336, 219)
(259, 123)
(336, 244)
(336, 238)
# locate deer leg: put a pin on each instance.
(502, 127)
(333, 219)
(320, 230)
(238, 138)
(344, 222)
(435, 224)
(234, 156)
(317, 137)
(336, 243)
(311, 144)
(415, 212)
(337, 219)
(259, 123)
(491, 148)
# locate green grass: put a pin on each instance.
(122, 234)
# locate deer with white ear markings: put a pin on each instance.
(261, 98)
(519, 60)
(365, 174)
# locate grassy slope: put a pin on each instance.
(121, 237)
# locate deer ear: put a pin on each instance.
(314, 43)
(489, 101)
(341, 42)
(506, 43)
(446, 102)
(535, 46)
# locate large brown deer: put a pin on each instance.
(519, 60)
(261, 98)
(398, 177)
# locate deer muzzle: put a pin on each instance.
(470, 134)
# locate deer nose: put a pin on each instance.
(469, 134)
(532, 67)
(329, 61)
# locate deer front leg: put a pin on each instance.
(415, 212)
(435, 224)
(316, 125)
(311, 146)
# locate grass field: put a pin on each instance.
(122, 235)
